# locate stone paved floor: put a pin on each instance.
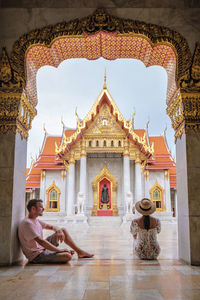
(114, 273)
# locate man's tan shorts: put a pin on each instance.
(48, 256)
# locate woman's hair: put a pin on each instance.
(146, 222)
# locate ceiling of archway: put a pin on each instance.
(106, 45)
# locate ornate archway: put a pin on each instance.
(103, 35)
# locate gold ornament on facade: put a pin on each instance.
(72, 159)
(146, 174)
(42, 175)
(126, 148)
(167, 174)
(63, 174)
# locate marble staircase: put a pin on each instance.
(102, 221)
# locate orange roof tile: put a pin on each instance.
(69, 132)
(159, 144)
(27, 170)
(49, 147)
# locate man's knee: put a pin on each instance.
(64, 257)
(64, 230)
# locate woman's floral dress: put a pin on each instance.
(146, 245)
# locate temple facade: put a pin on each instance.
(103, 167)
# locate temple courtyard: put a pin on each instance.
(113, 273)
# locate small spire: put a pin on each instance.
(62, 122)
(44, 128)
(104, 85)
(147, 124)
(165, 130)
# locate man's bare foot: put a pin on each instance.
(84, 254)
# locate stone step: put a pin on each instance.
(102, 220)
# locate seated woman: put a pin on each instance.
(145, 229)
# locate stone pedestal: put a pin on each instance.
(13, 151)
(188, 197)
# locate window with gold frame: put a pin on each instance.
(53, 198)
(157, 196)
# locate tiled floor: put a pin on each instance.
(114, 273)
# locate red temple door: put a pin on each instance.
(105, 209)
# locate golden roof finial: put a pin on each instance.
(104, 85)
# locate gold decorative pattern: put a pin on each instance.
(92, 37)
(189, 82)
(63, 174)
(16, 113)
(99, 35)
(146, 174)
(43, 174)
(10, 80)
(95, 186)
(184, 113)
(167, 174)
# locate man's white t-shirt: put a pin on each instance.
(28, 230)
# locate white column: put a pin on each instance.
(126, 175)
(146, 184)
(83, 171)
(167, 198)
(175, 204)
(83, 185)
(71, 186)
(138, 180)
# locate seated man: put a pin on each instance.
(39, 250)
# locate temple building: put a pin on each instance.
(103, 167)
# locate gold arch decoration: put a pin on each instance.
(52, 44)
(99, 35)
(159, 202)
(54, 200)
(104, 173)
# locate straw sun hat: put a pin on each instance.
(145, 207)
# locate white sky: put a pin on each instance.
(78, 82)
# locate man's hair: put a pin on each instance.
(33, 202)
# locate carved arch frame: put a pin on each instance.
(162, 193)
(13, 76)
(48, 191)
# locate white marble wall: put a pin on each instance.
(159, 176)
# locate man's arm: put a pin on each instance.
(59, 233)
(47, 245)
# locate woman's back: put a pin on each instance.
(146, 246)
